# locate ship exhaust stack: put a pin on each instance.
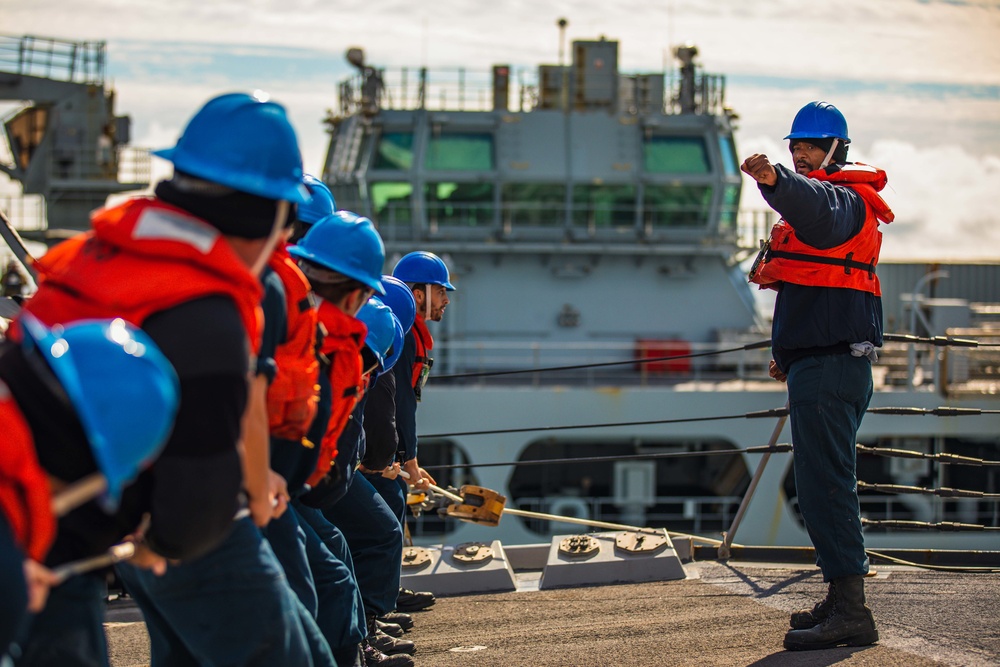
(687, 94)
(501, 87)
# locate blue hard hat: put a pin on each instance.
(322, 203)
(243, 142)
(423, 267)
(397, 346)
(346, 243)
(819, 120)
(123, 389)
(399, 298)
(381, 325)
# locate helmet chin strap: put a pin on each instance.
(280, 215)
(829, 153)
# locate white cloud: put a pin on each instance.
(939, 149)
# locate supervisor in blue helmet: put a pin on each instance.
(98, 392)
(822, 258)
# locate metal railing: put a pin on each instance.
(62, 60)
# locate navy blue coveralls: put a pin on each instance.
(828, 388)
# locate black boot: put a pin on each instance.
(807, 618)
(408, 600)
(375, 658)
(390, 629)
(404, 621)
(849, 623)
(385, 643)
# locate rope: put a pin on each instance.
(941, 568)
(693, 355)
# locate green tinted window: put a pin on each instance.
(676, 205)
(460, 152)
(395, 151)
(730, 207)
(675, 155)
(604, 205)
(391, 202)
(463, 204)
(729, 163)
(534, 204)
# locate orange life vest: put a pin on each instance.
(422, 361)
(785, 258)
(142, 257)
(25, 496)
(292, 396)
(342, 346)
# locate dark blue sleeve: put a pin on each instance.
(823, 215)
(380, 423)
(275, 323)
(406, 400)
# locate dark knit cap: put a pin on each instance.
(232, 212)
(839, 155)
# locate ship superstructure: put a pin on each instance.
(590, 219)
(69, 147)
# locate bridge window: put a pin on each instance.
(730, 207)
(675, 155)
(729, 163)
(604, 206)
(395, 151)
(391, 202)
(459, 204)
(534, 204)
(460, 152)
(676, 205)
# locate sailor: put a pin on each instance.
(374, 535)
(342, 256)
(198, 246)
(293, 396)
(381, 440)
(378, 464)
(427, 277)
(13, 282)
(93, 396)
(821, 258)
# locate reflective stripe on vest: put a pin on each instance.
(143, 257)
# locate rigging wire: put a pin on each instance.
(942, 492)
(774, 412)
(780, 448)
(777, 412)
(749, 346)
(943, 457)
(937, 341)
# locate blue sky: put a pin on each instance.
(919, 80)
